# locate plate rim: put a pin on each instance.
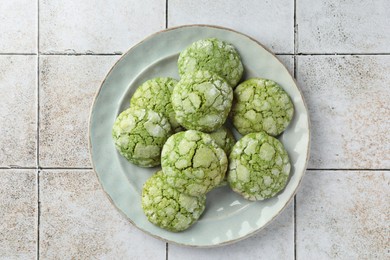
(109, 197)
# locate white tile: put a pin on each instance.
(18, 110)
(18, 214)
(97, 26)
(78, 222)
(348, 100)
(270, 22)
(276, 241)
(68, 85)
(18, 26)
(343, 215)
(357, 26)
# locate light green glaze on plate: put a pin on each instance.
(228, 217)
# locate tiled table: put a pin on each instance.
(53, 55)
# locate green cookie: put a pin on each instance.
(224, 138)
(193, 163)
(139, 136)
(261, 105)
(155, 94)
(167, 208)
(212, 55)
(202, 101)
(259, 166)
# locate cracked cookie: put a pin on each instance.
(168, 208)
(193, 163)
(224, 138)
(139, 136)
(155, 94)
(213, 55)
(202, 101)
(259, 166)
(261, 105)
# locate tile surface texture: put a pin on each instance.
(18, 26)
(355, 26)
(68, 86)
(97, 26)
(18, 111)
(258, 19)
(79, 222)
(347, 97)
(343, 215)
(18, 214)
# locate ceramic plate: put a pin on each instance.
(228, 217)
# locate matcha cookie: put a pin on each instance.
(155, 94)
(202, 101)
(259, 166)
(140, 134)
(212, 55)
(261, 105)
(167, 208)
(193, 163)
(224, 138)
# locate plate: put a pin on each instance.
(228, 217)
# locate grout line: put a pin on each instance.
(66, 168)
(295, 40)
(39, 211)
(166, 251)
(341, 54)
(17, 54)
(347, 169)
(296, 67)
(38, 102)
(38, 119)
(295, 29)
(80, 54)
(166, 14)
(295, 77)
(295, 227)
(37, 115)
(16, 167)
